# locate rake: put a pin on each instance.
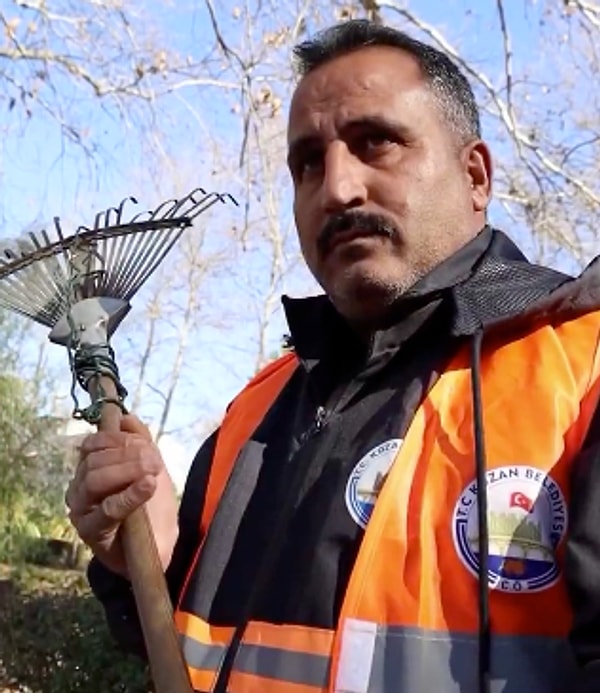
(80, 286)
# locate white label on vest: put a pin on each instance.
(356, 656)
(527, 519)
(367, 479)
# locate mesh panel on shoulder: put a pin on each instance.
(500, 288)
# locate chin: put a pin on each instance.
(366, 302)
(370, 284)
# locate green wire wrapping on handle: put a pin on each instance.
(91, 362)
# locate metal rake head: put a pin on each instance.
(42, 275)
(80, 285)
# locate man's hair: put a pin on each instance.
(449, 86)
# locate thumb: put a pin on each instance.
(131, 424)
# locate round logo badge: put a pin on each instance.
(367, 479)
(527, 519)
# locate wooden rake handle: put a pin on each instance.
(167, 666)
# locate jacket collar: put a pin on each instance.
(487, 285)
(317, 330)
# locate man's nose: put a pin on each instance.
(343, 184)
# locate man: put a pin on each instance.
(406, 502)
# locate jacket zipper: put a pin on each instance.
(323, 414)
(320, 417)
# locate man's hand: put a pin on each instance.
(117, 473)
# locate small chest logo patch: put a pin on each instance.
(527, 519)
(367, 479)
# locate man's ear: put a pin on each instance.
(477, 161)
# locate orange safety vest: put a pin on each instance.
(409, 619)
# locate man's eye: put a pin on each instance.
(376, 140)
(309, 163)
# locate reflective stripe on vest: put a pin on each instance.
(409, 618)
(373, 659)
(294, 659)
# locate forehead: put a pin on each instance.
(373, 81)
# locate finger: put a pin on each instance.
(131, 424)
(131, 427)
(121, 505)
(94, 526)
(135, 449)
(101, 481)
(102, 519)
(81, 501)
(102, 440)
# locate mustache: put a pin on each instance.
(344, 222)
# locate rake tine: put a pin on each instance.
(121, 207)
(134, 245)
(173, 211)
(202, 205)
(156, 213)
(154, 261)
(58, 230)
(153, 250)
(118, 214)
(52, 268)
(137, 219)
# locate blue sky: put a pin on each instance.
(42, 176)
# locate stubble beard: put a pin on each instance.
(370, 296)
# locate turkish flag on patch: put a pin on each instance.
(520, 500)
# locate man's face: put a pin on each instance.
(382, 190)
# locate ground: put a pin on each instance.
(53, 638)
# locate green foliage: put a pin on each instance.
(53, 638)
(31, 490)
(34, 462)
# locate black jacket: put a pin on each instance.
(290, 541)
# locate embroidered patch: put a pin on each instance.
(527, 519)
(367, 479)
